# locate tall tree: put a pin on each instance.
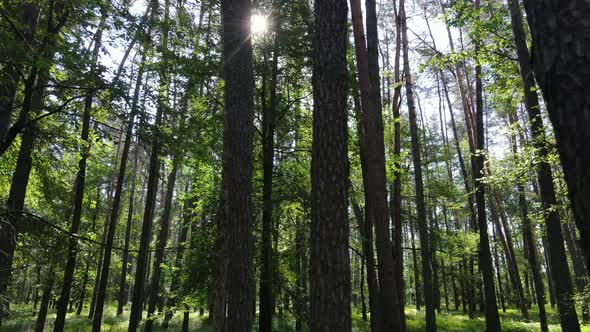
(329, 261)
(268, 155)
(562, 69)
(32, 105)
(161, 242)
(419, 184)
(238, 134)
(567, 105)
(374, 151)
(485, 255)
(154, 172)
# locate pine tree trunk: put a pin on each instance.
(419, 184)
(114, 211)
(268, 130)
(396, 199)
(329, 262)
(485, 257)
(569, 110)
(123, 294)
(375, 189)
(562, 69)
(237, 162)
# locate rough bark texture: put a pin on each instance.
(237, 162)
(562, 67)
(561, 63)
(329, 262)
(419, 184)
(375, 190)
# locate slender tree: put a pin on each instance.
(375, 189)
(419, 184)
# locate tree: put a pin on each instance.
(374, 152)
(238, 134)
(555, 64)
(329, 261)
(419, 184)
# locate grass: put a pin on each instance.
(24, 321)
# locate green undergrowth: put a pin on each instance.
(22, 320)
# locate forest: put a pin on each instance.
(294, 165)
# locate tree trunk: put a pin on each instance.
(114, 211)
(330, 263)
(485, 257)
(237, 162)
(161, 246)
(47, 289)
(123, 295)
(79, 188)
(33, 103)
(375, 189)
(396, 199)
(182, 237)
(366, 233)
(268, 130)
(569, 110)
(561, 63)
(419, 184)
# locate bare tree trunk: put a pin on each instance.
(375, 189)
(562, 54)
(237, 162)
(329, 262)
(485, 257)
(419, 184)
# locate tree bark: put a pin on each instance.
(237, 162)
(419, 184)
(330, 263)
(555, 62)
(268, 131)
(485, 257)
(562, 69)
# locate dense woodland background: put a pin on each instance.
(223, 165)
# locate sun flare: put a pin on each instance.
(259, 24)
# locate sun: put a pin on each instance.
(259, 24)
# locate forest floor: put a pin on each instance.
(24, 321)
